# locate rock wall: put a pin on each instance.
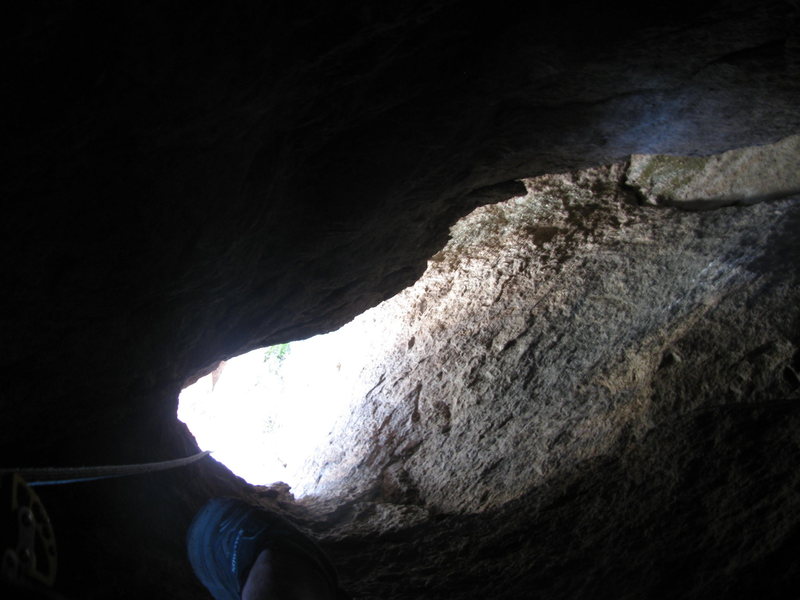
(559, 325)
(703, 507)
(741, 176)
(541, 394)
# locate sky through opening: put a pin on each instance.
(265, 412)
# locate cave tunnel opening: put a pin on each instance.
(266, 413)
(463, 391)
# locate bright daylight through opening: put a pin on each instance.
(264, 414)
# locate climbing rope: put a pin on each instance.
(60, 475)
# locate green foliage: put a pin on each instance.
(278, 352)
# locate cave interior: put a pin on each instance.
(605, 406)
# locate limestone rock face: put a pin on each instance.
(741, 176)
(658, 520)
(543, 389)
(557, 326)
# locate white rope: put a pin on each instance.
(59, 475)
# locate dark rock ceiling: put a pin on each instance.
(185, 182)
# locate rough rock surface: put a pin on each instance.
(555, 327)
(559, 365)
(741, 176)
(703, 507)
(185, 182)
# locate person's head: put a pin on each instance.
(286, 575)
(240, 551)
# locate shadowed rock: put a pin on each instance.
(185, 183)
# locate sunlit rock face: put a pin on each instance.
(561, 325)
(741, 176)
(582, 378)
